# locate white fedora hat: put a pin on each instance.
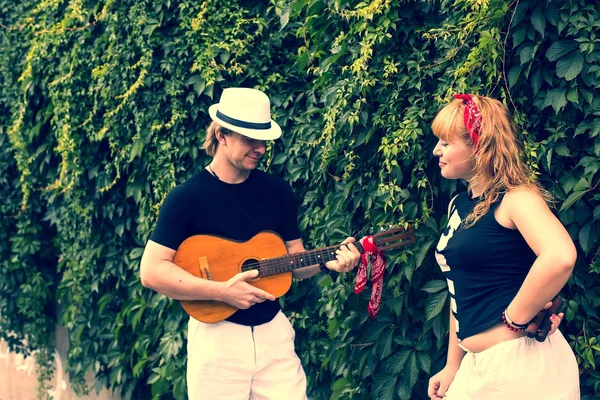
(247, 112)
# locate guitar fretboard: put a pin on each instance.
(291, 262)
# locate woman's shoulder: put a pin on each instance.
(523, 196)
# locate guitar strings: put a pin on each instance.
(275, 264)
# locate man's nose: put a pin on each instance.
(260, 147)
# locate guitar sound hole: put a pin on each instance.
(250, 264)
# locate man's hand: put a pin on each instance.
(241, 294)
(347, 257)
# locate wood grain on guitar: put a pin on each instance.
(219, 259)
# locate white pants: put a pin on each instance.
(519, 369)
(227, 361)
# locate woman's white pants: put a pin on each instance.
(518, 369)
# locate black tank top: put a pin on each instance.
(485, 265)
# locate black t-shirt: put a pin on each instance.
(205, 205)
(485, 266)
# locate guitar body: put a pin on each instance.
(219, 259)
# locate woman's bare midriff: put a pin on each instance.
(490, 337)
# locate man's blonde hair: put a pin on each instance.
(211, 143)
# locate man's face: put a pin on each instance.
(243, 152)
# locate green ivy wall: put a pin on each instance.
(102, 110)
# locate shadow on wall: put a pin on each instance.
(18, 376)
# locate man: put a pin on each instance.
(251, 354)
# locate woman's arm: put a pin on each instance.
(455, 353)
(440, 382)
(550, 241)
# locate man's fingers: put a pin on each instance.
(349, 240)
(353, 249)
(244, 276)
(257, 299)
(344, 263)
(262, 295)
(547, 306)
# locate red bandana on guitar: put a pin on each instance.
(377, 269)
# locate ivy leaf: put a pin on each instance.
(435, 304)
(573, 198)
(434, 286)
(397, 362)
(519, 13)
(423, 250)
(536, 81)
(384, 386)
(224, 57)
(552, 14)
(555, 98)
(549, 155)
(414, 371)
(582, 184)
(526, 54)
(424, 362)
(519, 35)
(538, 19)
(570, 66)
(587, 95)
(138, 367)
(582, 128)
(595, 127)
(513, 75)
(340, 384)
(285, 18)
(560, 48)
(562, 150)
(573, 96)
(588, 236)
(591, 165)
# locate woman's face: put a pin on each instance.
(456, 159)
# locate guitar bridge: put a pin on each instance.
(204, 268)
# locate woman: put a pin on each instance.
(505, 256)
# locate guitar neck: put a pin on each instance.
(304, 259)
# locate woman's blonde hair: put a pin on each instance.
(211, 143)
(498, 163)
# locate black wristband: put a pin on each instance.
(324, 269)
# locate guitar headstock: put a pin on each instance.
(394, 238)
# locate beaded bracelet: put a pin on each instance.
(512, 325)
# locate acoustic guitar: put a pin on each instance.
(219, 259)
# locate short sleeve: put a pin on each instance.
(173, 220)
(289, 216)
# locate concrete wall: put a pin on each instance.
(18, 376)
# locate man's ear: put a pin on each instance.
(219, 135)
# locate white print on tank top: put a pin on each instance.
(453, 225)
